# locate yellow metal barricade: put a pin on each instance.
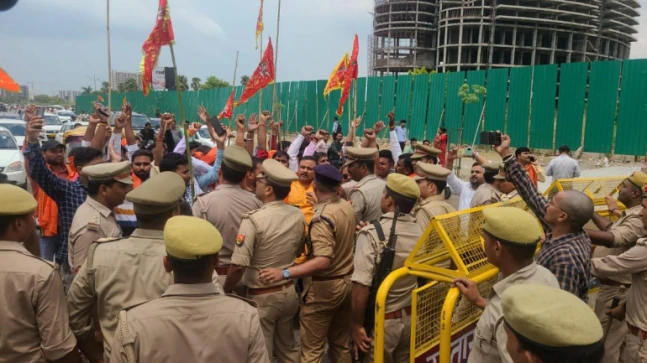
(442, 323)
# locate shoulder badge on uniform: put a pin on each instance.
(246, 215)
(250, 302)
(240, 238)
(94, 224)
(107, 239)
(199, 195)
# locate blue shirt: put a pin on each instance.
(401, 132)
(68, 195)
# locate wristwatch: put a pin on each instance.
(286, 274)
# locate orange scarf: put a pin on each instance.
(47, 209)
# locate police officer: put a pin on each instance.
(486, 193)
(504, 186)
(33, 314)
(108, 184)
(511, 236)
(425, 154)
(225, 206)
(432, 180)
(192, 321)
(270, 238)
(326, 308)
(548, 325)
(119, 273)
(365, 196)
(614, 238)
(400, 195)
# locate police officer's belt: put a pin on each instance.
(269, 290)
(330, 278)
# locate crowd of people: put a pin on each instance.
(156, 254)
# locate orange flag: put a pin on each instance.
(161, 35)
(228, 111)
(263, 75)
(259, 24)
(349, 76)
(337, 76)
(7, 83)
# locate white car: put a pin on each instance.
(66, 115)
(12, 161)
(203, 137)
(52, 125)
(67, 127)
(16, 127)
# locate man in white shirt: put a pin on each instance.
(464, 190)
(563, 166)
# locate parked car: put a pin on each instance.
(67, 127)
(66, 115)
(10, 116)
(16, 127)
(139, 120)
(52, 125)
(203, 137)
(157, 122)
(12, 161)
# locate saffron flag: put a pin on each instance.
(228, 111)
(349, 76)
(162, 34)
(7, 83)
(263, 75)
(337, 76)
(259, 24)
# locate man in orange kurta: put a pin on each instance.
(523, 157)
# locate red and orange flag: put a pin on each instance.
(259, 24)
(336, 79)
(349, 76)
(7, 83)
(228, 111)
(263, 75)
(161, 35)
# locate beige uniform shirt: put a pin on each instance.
(490, 339)
(485, 194)
(268, 237)
(429, 208)
(33, 315)
(92, 221)
(224, 208)
(632, 262)
(626, 230)
(368, 254)
(127, 272)
(365, 198)
(506, 197)
(191, 323)
(338, 244)
(348, 187)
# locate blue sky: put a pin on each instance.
(57, 44)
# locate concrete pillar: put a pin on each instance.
(460, 41)
(553, 46)
(570, 48)
(534, 46)
(514, 46)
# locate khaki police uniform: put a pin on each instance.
(93, 220)
(226, 205)
(634, 262)
(505, 196)
(190, 322)
(365, 196)
(119, 273)
(348, 187)
(424, 152)
(326, 301)
(626, 231)
(270, 238)
(549, 317)
(486, 193)
(33, 319)
(520, 227)
(434, 205)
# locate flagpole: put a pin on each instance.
(233, 88)
(178, 89)
(276, 63)
(260, 92)
(109, 60)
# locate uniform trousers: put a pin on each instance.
(618, 330)
(635, 349)
(397, 340)
(326, 315)
(276, 311)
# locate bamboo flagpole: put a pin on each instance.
(276, 62)
(233, 87)
(109, 60)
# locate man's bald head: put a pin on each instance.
(577, 206)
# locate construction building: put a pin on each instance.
(450, 35)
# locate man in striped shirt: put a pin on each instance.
(566, 251)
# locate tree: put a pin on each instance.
(86, 90)
(195, 83)
(421, 70)
(184, 83)
(104, 87)
(214, 82)
(130, 85)
(243, 80)
(42, 99)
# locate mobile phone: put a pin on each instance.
(468, 152)
(40, 111)
(533, 158)
(215, 122)
(103, 112)
(490, 138)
